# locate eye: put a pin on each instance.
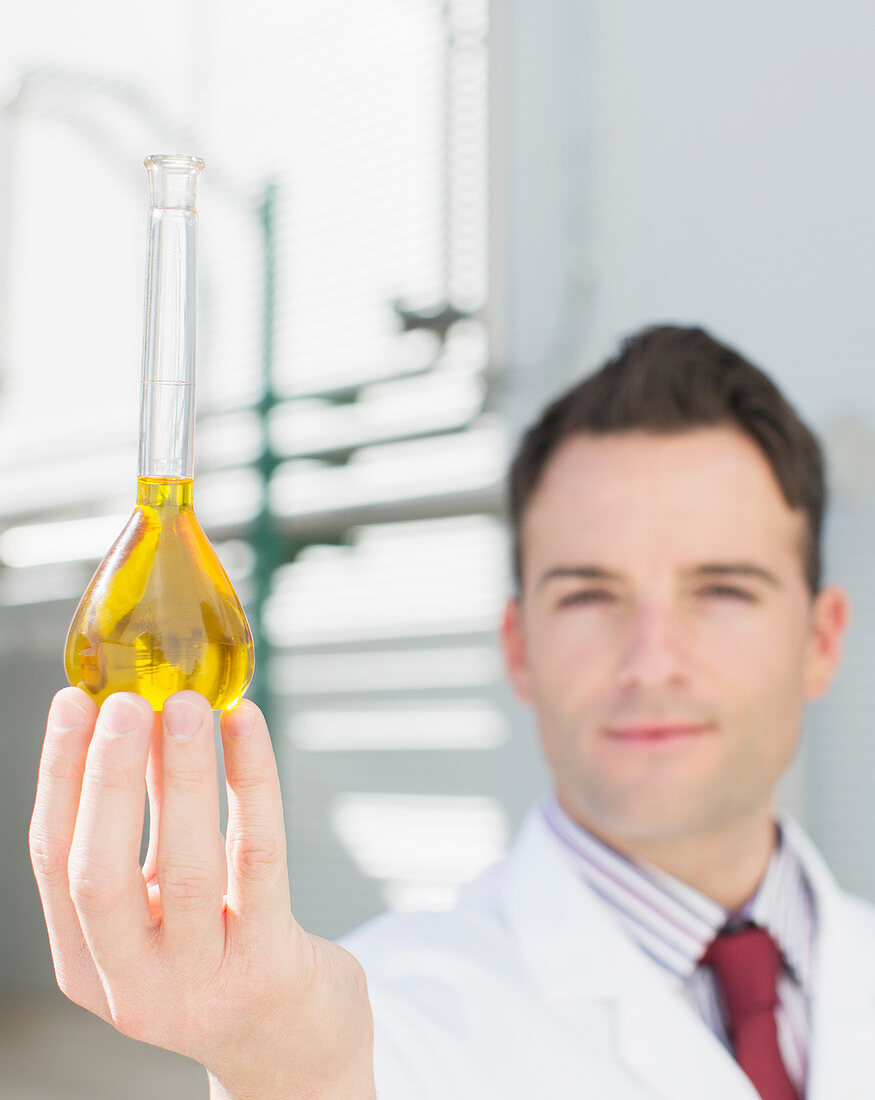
(729, 591)
(591, 595)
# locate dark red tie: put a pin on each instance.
(746, 965)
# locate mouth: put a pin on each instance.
(662, 733)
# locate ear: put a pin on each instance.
(514, 645)
(830, 614)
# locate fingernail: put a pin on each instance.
(119, 715)
(183, 719)
(240, 721)
(67, 715)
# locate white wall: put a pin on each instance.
(732, 184)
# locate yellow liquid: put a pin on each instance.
(160, 615)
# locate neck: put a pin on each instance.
(725, 862)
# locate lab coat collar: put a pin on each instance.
(556, 919)
(577, 954)
(843, 983)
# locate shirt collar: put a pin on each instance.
(673, 922)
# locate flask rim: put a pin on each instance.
(174, 162)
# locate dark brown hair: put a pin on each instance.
(671, 379)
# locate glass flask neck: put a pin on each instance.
(167, 389)
(169, 494)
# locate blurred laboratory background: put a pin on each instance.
(419, 220)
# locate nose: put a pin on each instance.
(654, 652)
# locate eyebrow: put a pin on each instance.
(708, 569)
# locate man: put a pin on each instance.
(656, 931)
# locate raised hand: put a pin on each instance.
(198, 951)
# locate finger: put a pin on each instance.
(189, 863)
(154, 888)
(153, 788)
(62, 765)
(258, 878)
(106, 881)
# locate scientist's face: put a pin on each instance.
(665, 634)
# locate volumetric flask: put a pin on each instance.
(160, 614)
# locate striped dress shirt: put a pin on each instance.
(674, 923)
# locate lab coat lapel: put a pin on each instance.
(842, 1051)
(578, 955)
(664, 1040)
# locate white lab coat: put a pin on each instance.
(529, 988)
